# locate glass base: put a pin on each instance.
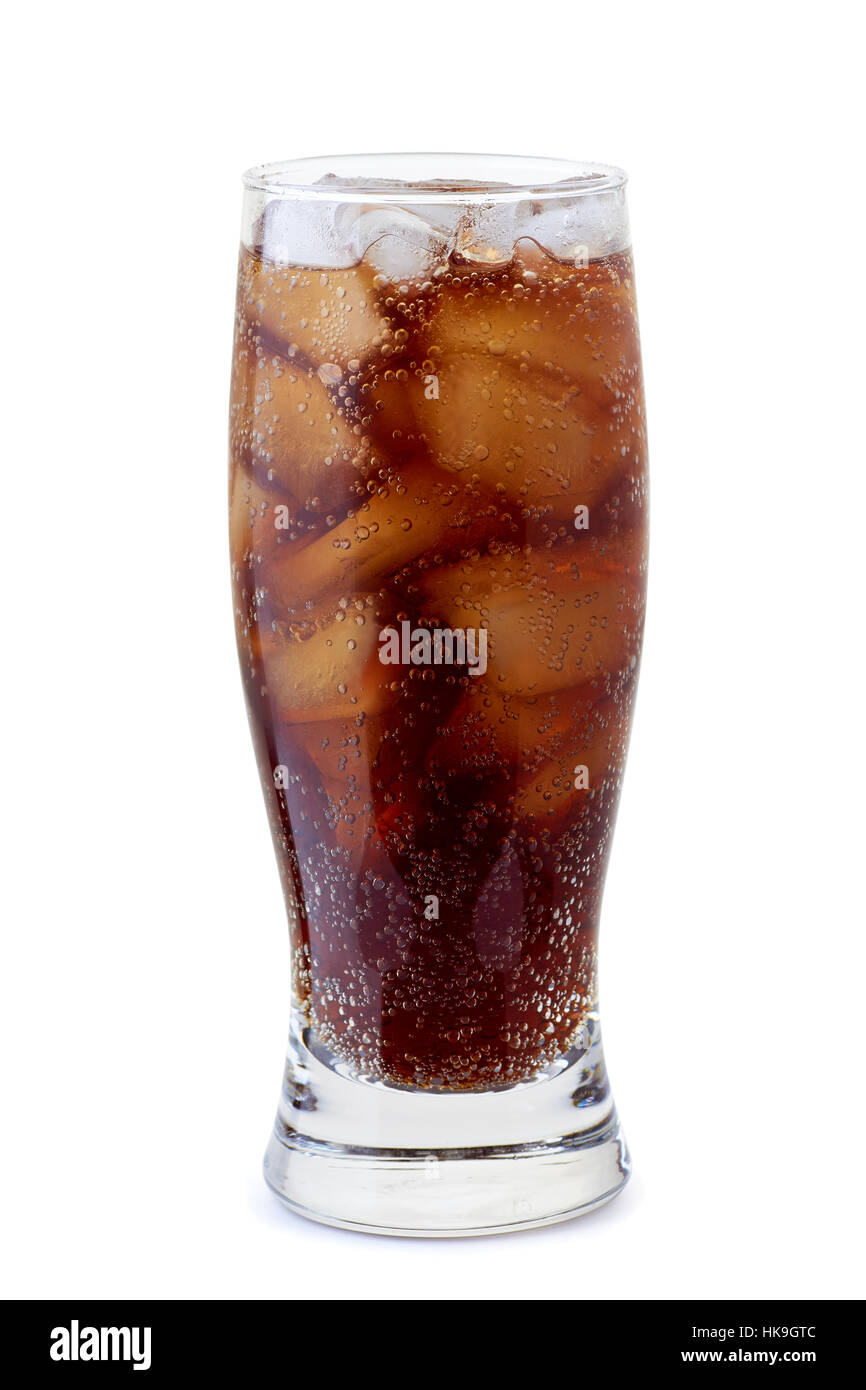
(468, 1192)
(366, 1156)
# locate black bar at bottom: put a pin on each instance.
(407, 1343)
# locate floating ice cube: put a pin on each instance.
(294, 232)
(577, 230)
(442, 217)
(398, 244)
(487, 233)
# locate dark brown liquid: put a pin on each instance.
(415, 453)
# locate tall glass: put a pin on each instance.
(438, 539)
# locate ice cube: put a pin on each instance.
(252, 511)
(443, 217)
(576, 230)
(338, 756)
(539, 443)
(540, 325)
(596, 740)
(300, 438)
(421, 514)
(322, 665)
(327, 316)
(538, 391)
(293, 231)
(550, 623)
(487, 233)
(399, 245)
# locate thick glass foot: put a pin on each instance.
(450, 1192)
(369, 1157)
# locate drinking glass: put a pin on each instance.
(438, 547)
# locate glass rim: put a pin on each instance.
(556, 178)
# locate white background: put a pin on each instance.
(144, 999)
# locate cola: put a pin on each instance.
(438, 541)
